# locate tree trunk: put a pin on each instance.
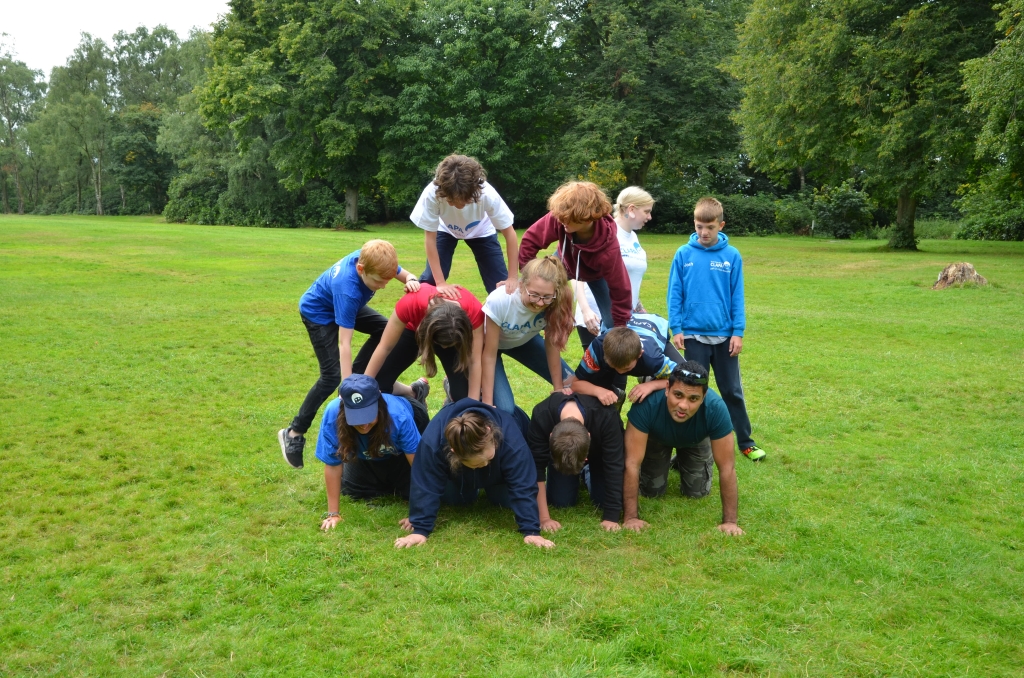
(902, 237)
(98, 186)
(803, 177)
(351, 205)
(3, 183)
(121, 186)
(637, 176)
(17, 184)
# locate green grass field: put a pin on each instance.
(149, 527)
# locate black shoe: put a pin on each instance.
(291, 447)
(420, 390)
(622, 398)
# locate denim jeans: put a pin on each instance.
(532, 356)
(727, 378)
(490, 260)
(603, 297)
(324, 339)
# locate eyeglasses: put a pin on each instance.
(544, 299)
(698, 379)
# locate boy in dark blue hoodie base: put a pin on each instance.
(706, 312)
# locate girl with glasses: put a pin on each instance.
(513, 326)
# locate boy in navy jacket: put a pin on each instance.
(706, 314)
(469, 446)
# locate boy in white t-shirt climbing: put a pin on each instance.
(457, 205)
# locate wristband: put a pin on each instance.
(332, 514)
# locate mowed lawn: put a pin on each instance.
(149, 527)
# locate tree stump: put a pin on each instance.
(959, 275)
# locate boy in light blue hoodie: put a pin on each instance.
(706, 314)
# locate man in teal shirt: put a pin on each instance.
(693, 420)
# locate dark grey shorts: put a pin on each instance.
(693, 463)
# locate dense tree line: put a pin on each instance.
(840, 113)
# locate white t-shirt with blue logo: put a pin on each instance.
(475, 220)
(518, 324)
(635, 258)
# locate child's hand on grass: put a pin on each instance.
(330, 522)
(409, 541)
(610, 526)
(732, 529)
(550, 525)
(537, 540)
(635, 524)
(405, 524)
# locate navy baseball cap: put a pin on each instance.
(359, 394)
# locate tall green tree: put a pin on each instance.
(312, 81)
(485, 79)
(648, 80)
(864, 88)
(147, 67)
(20, 88)
(995, 85)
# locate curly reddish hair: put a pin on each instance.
(579, 202)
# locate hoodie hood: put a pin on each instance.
(460, 407)
(723, 242)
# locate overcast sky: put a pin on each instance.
(43, 33)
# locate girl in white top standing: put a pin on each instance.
(457, 205)
(631, 211)
(514, 322)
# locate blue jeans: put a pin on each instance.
(465, 488)
(727, 378)
(530, 355)
(603, 297)
(490, 260)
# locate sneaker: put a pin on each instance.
(754, 453)
(447, 394)
(420, 389)
(291, 447)
(622, 398)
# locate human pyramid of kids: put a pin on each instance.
(378, 439)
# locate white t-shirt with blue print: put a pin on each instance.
(475, 220)
(518, 324)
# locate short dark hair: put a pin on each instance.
(570, 444)
(691, 373)
(459, 177)
(621, 347)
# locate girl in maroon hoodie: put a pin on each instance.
(580, 222)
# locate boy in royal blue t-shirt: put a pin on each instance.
(706, 312)
(332, 309)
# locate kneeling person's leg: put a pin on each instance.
(366, 479)
(654, 468)
(695, 465)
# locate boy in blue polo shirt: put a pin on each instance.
(706, 311)
(332, 309)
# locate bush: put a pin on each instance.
(841, 211)
(749, 215)
(792, 216)
(1000, 225)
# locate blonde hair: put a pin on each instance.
(631, 195)
(559, 316)
(708, 210)
(467, 435)
(578, 202)
(379, 258)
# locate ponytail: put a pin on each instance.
(468, 435)
(559, 316)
